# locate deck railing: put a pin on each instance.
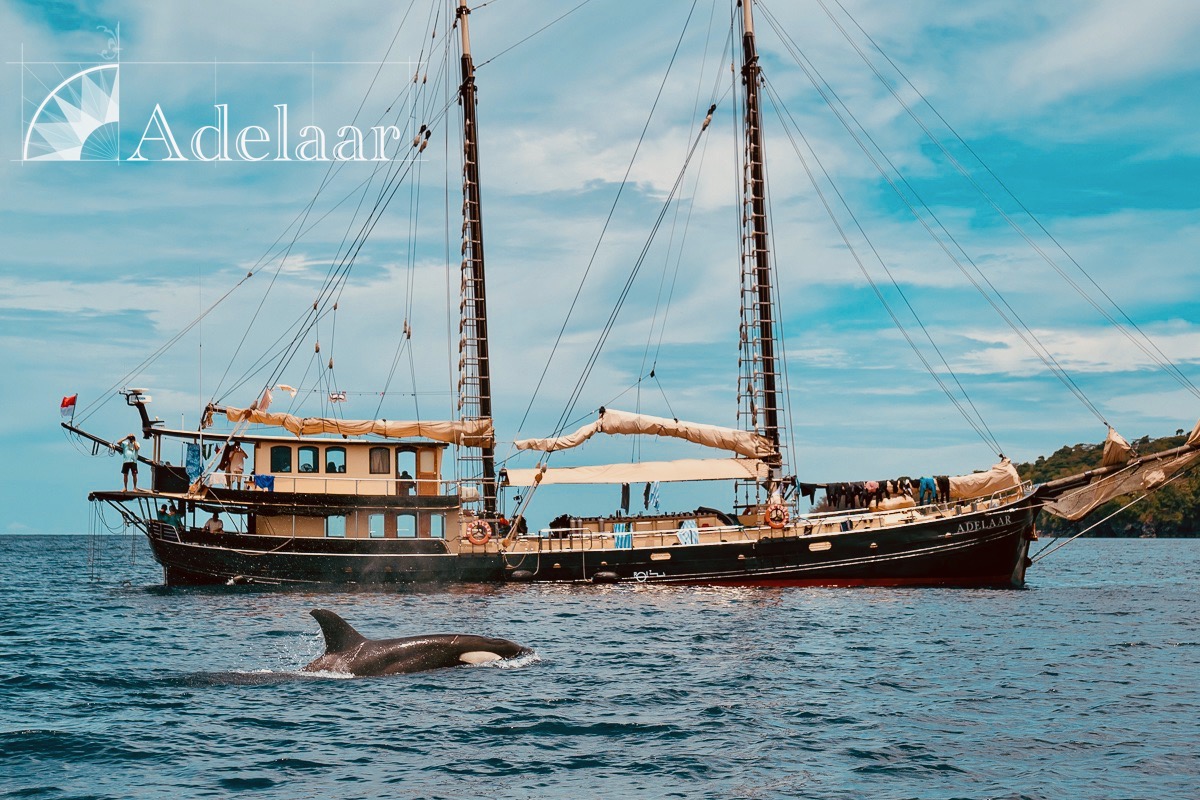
(337, 483)
(825, 523)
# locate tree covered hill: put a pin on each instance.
(1173, 511)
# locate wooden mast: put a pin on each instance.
(475, 377)
(759, 254)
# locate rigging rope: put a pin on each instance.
(629, 281)
(691, 205)
(1145, 344)
(530, 36)
(976, 422)
(611, 211)
(995, 298)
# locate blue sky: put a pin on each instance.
(1086, 110)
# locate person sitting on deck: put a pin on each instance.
(406, 484)
(214, 525)
(174, 516)
(163, 514)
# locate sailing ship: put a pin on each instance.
(366, 502)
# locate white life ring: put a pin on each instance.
(479, 532)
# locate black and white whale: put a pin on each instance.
(348, 651)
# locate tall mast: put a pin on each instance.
(475, 375)
(758, 330)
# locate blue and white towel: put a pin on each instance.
(191, 461)
(652, 496)
(623, 541)
(688, 533)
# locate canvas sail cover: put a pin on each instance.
(466, 433)
(1142, 475)
(982, 484)
(1075, 496)
(691, 469)
(1193, 439)
(744, 443)
(1116, 449)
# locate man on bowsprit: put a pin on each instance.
(128, 448)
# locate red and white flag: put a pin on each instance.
(68, 405)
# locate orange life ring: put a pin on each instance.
(479, 532)
(777, 515)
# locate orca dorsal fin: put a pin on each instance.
(339, 634)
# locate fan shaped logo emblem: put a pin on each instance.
(79, 120)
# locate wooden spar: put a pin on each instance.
(758, 231)
(475, 306)
(105, 442)
(1059, 486)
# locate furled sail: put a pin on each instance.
(1116, 449)
(744, 443)
(1075, 496)
(982, 484)
(691, 469)
(466, 433)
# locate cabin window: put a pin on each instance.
(281, 458)
(308, 459)
(437, 526)
(375, 526)
(428, 461)
(335, 527)
(379, 457)
(335, 459)
(406, 526)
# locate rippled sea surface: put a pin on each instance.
(1084, 685)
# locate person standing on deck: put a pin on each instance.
(128, 448)
(235, 465)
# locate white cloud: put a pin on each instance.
(1080, 350)
(1106, 42)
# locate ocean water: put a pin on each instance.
(1084, 685)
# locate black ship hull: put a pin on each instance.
(983, 548)
(193, 557)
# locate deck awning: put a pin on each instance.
(690, 469)
(611, 421)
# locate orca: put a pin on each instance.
(348, 651)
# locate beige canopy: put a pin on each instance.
(981, 484)
(689, 469)
(468, 433)
(744, 443)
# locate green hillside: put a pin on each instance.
(1171, 512)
